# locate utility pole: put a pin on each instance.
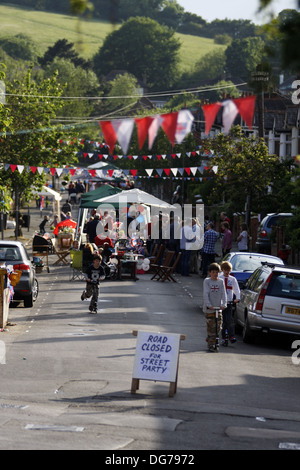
(260, 79)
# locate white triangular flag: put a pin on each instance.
(20, 168)
(174, 171)
(230, 112)
(123, 129)
(184, 125)
(153, 130)
(149, 172)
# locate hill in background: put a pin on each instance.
(46, 28)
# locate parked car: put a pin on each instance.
(244, 264)
(270, 302)
(263, 242)
(14, 253)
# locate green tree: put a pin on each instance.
(76, 82)
(243, 55)
(31, 140)
(245, 170)
(121, 87)
(144, 49)
(20, 46)
(65, 50)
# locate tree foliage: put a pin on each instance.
(30, 139)
(245, 169)
(144, 49)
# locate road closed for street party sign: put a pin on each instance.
(156, 358)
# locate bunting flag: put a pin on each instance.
(169, 125)
(230, 112)
(231, 108)
(91, 172)
(123, 129)
(184, 125)
(246, 107)
(210, 113)
(143, 125)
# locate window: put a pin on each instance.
(286, 285)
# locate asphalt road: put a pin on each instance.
(66, 383)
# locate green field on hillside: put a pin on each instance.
(46, 28)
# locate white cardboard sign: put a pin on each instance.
(156, 356)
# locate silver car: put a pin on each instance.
(270, 301)
(14, 253)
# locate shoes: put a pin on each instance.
(92, 310)
(82, 295)
(211, 348)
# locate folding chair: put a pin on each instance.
(76, 266)
(157, 268)
(167, 271)
(155, 260)
(61, 254)
(41, 250)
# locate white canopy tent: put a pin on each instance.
(135, 196)
(55, 195)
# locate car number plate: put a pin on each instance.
(292, 310)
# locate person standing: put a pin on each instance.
(227, 239)
(243, 238)
(208, 250)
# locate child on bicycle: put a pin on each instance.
(214, 295)
(95, 273)
(232, 289)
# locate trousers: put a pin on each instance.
(92, 290)
(211, 327)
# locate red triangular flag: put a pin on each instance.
(52, 170)
(188, 170)
(167, 171)
(133, 172)
(210, 112)
(13, 167)
(110, 172)
(72, 171)
(246, 107)
(169, 125)
(143, 125)
(110, 135)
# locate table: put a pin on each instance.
(131, 263)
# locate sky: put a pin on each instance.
(233, 9)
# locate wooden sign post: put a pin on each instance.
(156, 358)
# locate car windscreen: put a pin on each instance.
(10, 253)
(244, 263)
(286, 285)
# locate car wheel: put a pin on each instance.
(247, 333)
(35, 290)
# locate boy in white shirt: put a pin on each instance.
(232, 288)
(214, 295)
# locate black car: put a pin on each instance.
(263, 242)
(14, 253)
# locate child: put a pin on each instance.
(231, 287)
(214, 295)
(95, 273)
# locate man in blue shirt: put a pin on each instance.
(208, 250)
